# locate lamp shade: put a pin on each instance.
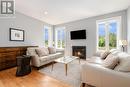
(123, 42)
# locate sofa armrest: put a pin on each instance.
(90, 74)
(99, 76)
(35, 61)
(111, 78)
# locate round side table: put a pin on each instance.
(23, 65)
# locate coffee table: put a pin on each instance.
(65, 60)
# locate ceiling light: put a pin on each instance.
(45, 12)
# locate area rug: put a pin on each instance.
(73, 77)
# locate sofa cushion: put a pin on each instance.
(52, 50)
(116, 52)
(95, 60)
(125, 67)
(42, 51)
(113, 50)
(124, 62)
(57, 55)
(111, 61)
(44, 58)
(50, 57)
(105, 54)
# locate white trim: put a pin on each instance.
(107, 21)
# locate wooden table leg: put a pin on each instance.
(79, 60)
(66, 69)
(52, 66)
(83, 85)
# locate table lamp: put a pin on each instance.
(123, 43)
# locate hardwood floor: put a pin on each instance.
(34, 79)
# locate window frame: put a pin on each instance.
(56, 33)
(107, 21)
(50, 38)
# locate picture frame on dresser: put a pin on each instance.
(16, 34)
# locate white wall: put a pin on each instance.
(128, 27)
(90, 25)
(33, 30)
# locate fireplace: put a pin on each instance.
(79, 51)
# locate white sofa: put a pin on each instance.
(93, 73)
(40, 61)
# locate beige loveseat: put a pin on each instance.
(93, 73)
(38, 61)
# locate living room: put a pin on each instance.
(64, 43)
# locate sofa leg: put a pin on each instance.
(83, 85)
(38, 68)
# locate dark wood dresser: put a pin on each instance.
(8, 55)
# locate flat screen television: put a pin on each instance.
(79, 34)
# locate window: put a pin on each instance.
(108, 33)
(47, 36)
(60, 37)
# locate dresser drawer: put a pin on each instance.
(2, 59)
(10, 63)
(2, 66)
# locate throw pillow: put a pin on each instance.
(46, 49)
(124, 63)
(52, 50)
(105, 54)
(31, 51)
(42, 52)
(110, 62)
(125, 67)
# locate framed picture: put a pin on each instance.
(16, 34)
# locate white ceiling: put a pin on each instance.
(61, 11)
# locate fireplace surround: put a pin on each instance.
(79, 51)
